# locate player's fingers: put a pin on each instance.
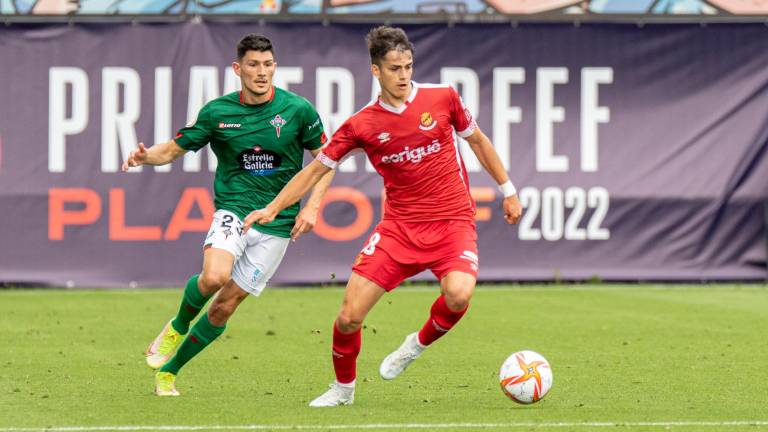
(295, 231)
(300, 228)
(142, 149)
(248, 221)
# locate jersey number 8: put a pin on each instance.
(370, 248)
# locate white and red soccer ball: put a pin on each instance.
(525, 377)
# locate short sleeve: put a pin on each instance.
(312, 134)
(342, 142)
(461, 118)
(197, 133)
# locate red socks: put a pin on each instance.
(441, 319)
(346, 347)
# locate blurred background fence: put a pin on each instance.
(639, 151)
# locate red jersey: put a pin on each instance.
(413, 148)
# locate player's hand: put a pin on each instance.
(136, 158)
(305, 221)
(512, 209)
(261, 217)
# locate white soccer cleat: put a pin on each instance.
(395, 363)
(163, 347)
(337, 394)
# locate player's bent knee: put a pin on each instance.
(212, 281)
(346, 323)
(458, 301)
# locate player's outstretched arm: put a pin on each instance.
(489, 159)
(307, 217)
(292, 192)
(158, 154)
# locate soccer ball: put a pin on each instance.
(525, 377)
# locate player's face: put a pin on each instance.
(394, 74)
(255, 70)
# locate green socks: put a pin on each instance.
(191, 304)
(202, 334)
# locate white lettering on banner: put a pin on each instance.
(466, 80)
(335, 101)
(59, 125)
(203, 87)
(551, 204)
(231, 81)
(326, 79)
(375, 88)
(285, 76)
(118, 130)
(546, 115)
(503, 112)
(163, 107)
(592, 114)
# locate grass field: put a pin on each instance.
(625, 357)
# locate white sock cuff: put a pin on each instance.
(346, 385)
(419, 345)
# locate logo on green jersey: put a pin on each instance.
(277, 123)
(259, 162)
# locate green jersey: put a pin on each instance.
(259, 149)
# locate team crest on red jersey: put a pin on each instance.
(427, 122)
(278, 123)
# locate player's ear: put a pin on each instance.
(236, 68)
(375, 70)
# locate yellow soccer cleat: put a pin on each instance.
(163, 347)
(165, 384)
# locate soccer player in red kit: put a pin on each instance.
(428, 223)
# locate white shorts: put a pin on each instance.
(257, 255)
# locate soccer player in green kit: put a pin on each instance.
(259, 135)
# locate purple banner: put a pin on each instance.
(639, 153)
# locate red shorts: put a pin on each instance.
(398, 250)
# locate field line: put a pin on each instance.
(526, 425)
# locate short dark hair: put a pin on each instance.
(384, 39)
(253, 42)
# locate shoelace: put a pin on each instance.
(165, 382)
(168, 342)
(335, 392)
(405, 358)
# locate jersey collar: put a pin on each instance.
(271, 97)
(403, 107)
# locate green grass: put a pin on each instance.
(620, 354)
